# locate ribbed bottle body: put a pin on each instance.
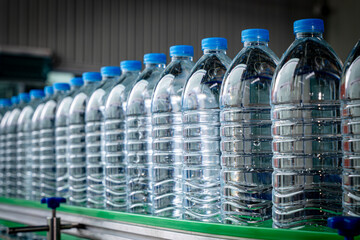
(3, 153)
(35, 154)
(167, 133)
(139, 141)
(24, 177)
(76, 157)
(350, 125)
(306, 135)
(201, 136)
(47, 149)
(61, 138)
(113, 145)
(11, 153)
(246, 153)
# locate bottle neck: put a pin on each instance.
(184, 58)
(256, 43)
(87, 82)
(34, 98)
(109, 77)
(130, 71)
(154, 65)
(308, 34)
(59, 91)
(212, 51)
(75, 87)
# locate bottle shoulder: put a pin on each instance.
(168, 91)
(311, 54)
(37, 113)
(255, 58)
(350, 77)
(211, 61)
(25, 114)
(95, 99)
(308, 73)
(139, 100)
(202, 89)
(247, 82)
(14, 116)
(120, 91)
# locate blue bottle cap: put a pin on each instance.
(255, 35)
(309, 25)
(92, 76)
(37, 94)
(49, 90)
(59, 86)
(110, 71)
(214, 43)
(182, 50)
(14, 100)
(24, 97)
(130, 65)
(77, 81)
(5, 102)
(347, 226)
(155, 58)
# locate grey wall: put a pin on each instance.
(344, 25)
(87, 34)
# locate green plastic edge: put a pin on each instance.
(15, 224)
(265, 233)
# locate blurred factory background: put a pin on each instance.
(44, 41)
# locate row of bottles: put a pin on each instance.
(237, 142)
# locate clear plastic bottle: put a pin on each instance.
(113, 149)
(15, 100)
(24, 145)
(6, 110)
(350, 114)
(167, 134)
(47, 140)
(61, 118)
(201, 132)
(12, 146)
(35, 146)
(306, 130)
(138, 135)
(76, 157)
(94, 120)
(246, 132)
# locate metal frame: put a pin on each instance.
(99, 228)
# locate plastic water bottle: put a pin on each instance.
(76, 140)
(246, 132)
(138, 135)
(61, 118)
(14, 103)
(94, 119)
(201, 132)
(350, 99)
(113, 139)
(6, 110)
(167, 134)
(306, 130)
(47, 140)
(35, 146)
(24, 145)
(12, 146)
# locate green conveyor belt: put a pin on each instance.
(264, 231)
